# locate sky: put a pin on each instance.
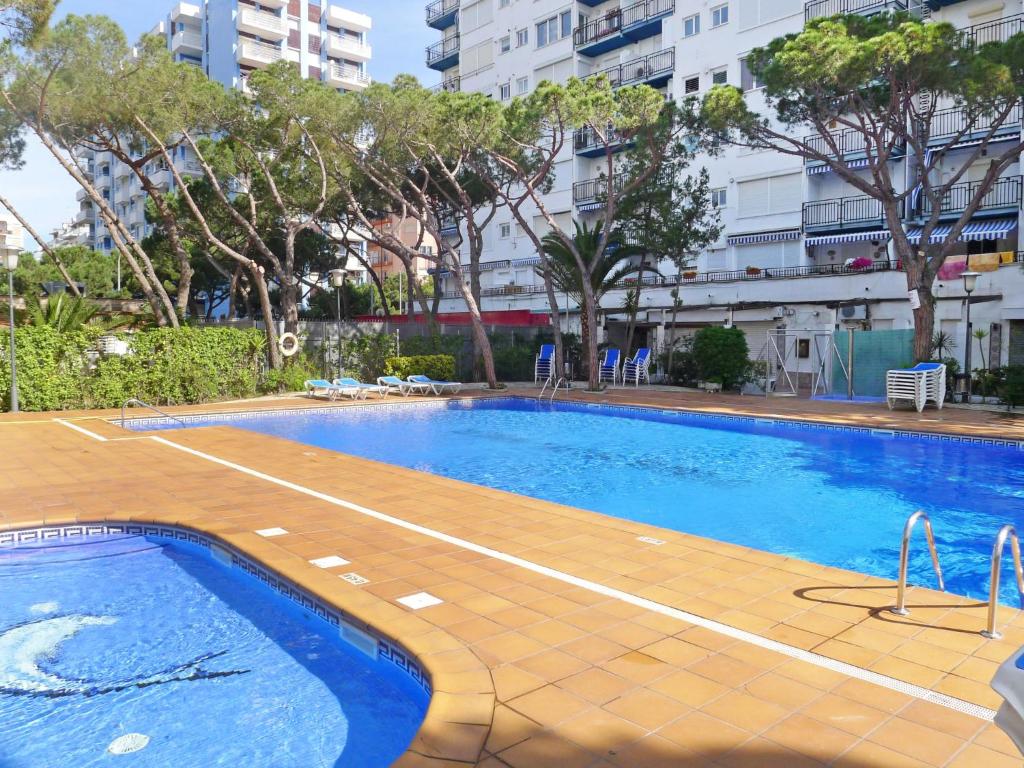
(45, 195)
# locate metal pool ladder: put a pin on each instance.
(136, 401)
(900, 609)
(1006, 532)
(554, 391)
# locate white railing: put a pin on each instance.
(187, 39)
(264, 21)
(258, 52)
(343, 45)
(339, 73)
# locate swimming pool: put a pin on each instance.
(833, 495)
(111, 635)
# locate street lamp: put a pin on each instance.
(970, 283)
(11, 264)
(338, 281)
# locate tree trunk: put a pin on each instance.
(289, 293)
(675, 311)
(920, 279)
(273, 351)
(589, 320)
(480, 340)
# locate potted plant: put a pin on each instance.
(862, 262)
(753, 271)
(690, 274)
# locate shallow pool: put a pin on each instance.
(834, 496)
(106, 636)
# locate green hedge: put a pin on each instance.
(164, 367)
(721, 355)
(440, 367)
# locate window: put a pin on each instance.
(504, 3)
(505, 231)
(748, 80)
(522, 38)
(691, 85)
(506, 91)
(505, 44)
(719, 15)
(720, 76)
(691, 25)
(554, 29)
(566, 22)
(522, 86)
(718, 197)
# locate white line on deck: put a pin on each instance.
(800, 654)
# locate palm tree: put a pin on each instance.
(981, 334)
(64, 313)
(606, 270)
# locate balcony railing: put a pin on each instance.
(847, 141)
(440, 9)
(253, 52)
(594, 190)
(994, 31)
(261, 22)
(451, 85)
(342, 74)
(948, 123)
(442, 49)
(1004, 194)
(618, 19)
(843, 212)
(641, 70)
(815, 9)
(587, 140)
(343, 45)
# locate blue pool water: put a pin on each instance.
(105, 636)
(831, 497)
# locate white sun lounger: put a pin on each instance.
(438, 387)
(404, 388)
(366, 389)
(330, 390)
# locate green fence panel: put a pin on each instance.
(874, 353)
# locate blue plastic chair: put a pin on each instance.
(636, 368)
(610, 366)
(544, 364)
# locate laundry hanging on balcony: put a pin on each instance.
(848, 237)
(988, 229)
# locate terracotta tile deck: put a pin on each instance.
(530, 669)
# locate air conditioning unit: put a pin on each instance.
(111, 345)
(854, 313)
(778, 313)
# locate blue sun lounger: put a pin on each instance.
(366, 389)
(404, 388)
(637, 368)
(330, 390)
(544, 364)
(610, 366)
(438, 387)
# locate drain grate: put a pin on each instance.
(130, 742)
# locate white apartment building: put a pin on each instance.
(68, 234)
(229, 39)
(793, 224)
(12, 237)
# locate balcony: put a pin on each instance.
(620, 27)
(451, 85)
(265, 25)
(654, 70)
(850, 143)
(187, 41)
(816, 9)
(444, 54)
(345, 19)
(949, 123)
(589, 143)
(994, 31)
(843, 213)
(1003, 198)
(186, 11)
(84, 214)
(591, 195)
(256, 54)
(347, 47)
(442, 14)
(342, 76)
(275, 4)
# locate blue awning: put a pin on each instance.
(826, 168)
(848, 237)
(584, 207)
(753, 238)
(987, 229)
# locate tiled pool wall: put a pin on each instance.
(356, 633)
(661, 414)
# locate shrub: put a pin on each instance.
(51, 367)
(684, 371)
(292, 377)
(1012, 390)
(365, 357)
(721, 355)
(441, 367)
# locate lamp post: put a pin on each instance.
(338, 281)
(11, 264)
(970, 283)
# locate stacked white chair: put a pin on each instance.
(924, 383)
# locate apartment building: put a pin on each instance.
(790, 230)
(68, 234)
(229, 39)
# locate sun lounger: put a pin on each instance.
(610, 366)
(366, 389)
(404, 388)
(637, 368)
(544, 365)
(924, 383)
(325, 388)
(438, 387)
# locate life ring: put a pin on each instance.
(288, 343)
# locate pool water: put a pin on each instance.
(112, 635)
(833, 497)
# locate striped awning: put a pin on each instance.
(988, 229)
(526, 262)
(584, 207)
(826, 168)
(848, 237)
(753, 238)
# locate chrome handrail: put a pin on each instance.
(1006, 532)
(544, 388)
(560, 382)
(900, 609)
(136, 401)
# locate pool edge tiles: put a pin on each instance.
(358, 634)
